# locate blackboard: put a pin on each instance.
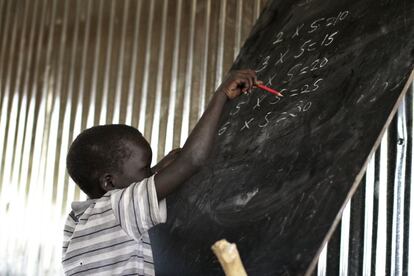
(283, 168)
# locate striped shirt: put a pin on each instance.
(109, 235)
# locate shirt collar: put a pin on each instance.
(79, 207)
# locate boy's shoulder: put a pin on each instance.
(87, 207)
(83, 210)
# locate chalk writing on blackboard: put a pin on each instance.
(304, 67)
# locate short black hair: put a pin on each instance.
(98, 150)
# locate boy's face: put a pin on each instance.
(137, 166)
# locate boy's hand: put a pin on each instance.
(238, 81)
(171, 156)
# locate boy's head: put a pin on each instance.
(108, 157)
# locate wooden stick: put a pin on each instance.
(229, 258)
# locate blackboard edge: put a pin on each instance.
(359, 176)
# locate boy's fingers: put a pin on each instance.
(244, 82)
(254, 81)
(250, 78)
(247, 77)
(253, 73)
(253, 76)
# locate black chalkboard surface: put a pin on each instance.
(283, 168)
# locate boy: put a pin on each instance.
(108, 233)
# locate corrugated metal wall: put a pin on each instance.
(376, 233)
(68, 65)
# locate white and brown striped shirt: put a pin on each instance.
(109, 235)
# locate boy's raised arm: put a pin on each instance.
(200, 142)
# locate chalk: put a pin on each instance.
(261, 86)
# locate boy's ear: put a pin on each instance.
(107, 182)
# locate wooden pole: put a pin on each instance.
(229, 258)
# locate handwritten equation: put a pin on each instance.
(269, 70)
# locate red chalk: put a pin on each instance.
(261, 86)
